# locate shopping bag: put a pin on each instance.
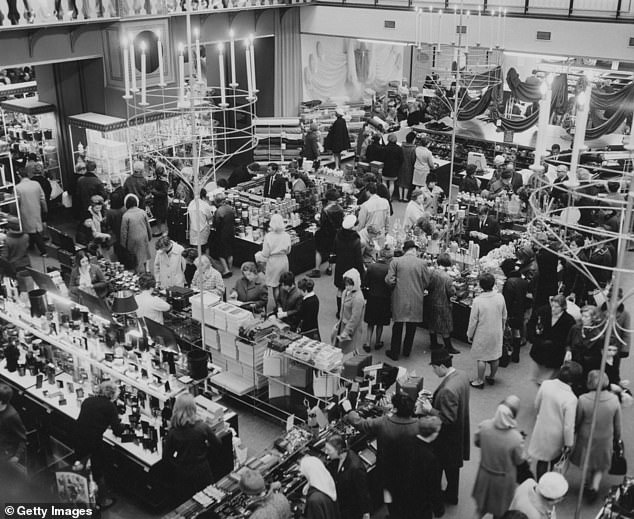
(562, 464)
(67, 200)
(619, 463)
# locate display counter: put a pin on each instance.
(300, 259)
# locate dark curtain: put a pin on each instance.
(625, 108)
(559, 98)
(527, 91)
(470, 109)
(288, 63)
(612, 100)
(476, 107)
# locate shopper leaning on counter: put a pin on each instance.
(221, 243)
(187, 448)
(308, 313)
(351, 479)
(87, 277)
(484, 229)
(149, 305)
(136, 232)
(320, 490)
(348, 331)
(415, 210)
(97, 413)
(208, 276)
(378, 310)
(263, 505)
(249, 288)
(486, 330)
(470, 184)
(169, 264)
(370, 246)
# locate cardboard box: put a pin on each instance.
(209, 300)
(212, 341)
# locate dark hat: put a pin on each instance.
(410, 244)
(439, 356)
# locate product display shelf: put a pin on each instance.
(440, 145)
(32, 125)
(279, 139)
(8, 194)
(13, 90)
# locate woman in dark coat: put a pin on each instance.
(514, 292)
(585, 340)
(406, 172)
(440, 292)
(548, 330)
(378, 309)
(321, 492)
(375, 150)
(392, 161)
(310, 151)
(186, 448)
(338, 139)
(469, 183)
(330, 220)
(347, 248)
(547, 263)
(351, 479)
(159, 189)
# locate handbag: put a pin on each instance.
(619, 463)
(562, 463)
(524, 472)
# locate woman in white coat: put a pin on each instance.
(486, 330)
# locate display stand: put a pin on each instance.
(32, 125)
(279, 139)
(8, 195)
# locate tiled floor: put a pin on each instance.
(258, 433)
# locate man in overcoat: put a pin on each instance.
(408, 276)
(451, 404)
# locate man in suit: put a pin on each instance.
(484, 230)
(450, 403)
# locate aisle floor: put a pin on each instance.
(258, 433)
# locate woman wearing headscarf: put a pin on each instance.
(348, 331)
(349, 254)
(136, 232)
(275, 250)
(501, 446)
(320, 491)
(351, 479)
(606, 433)
(378, 311)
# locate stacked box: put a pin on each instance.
(228, 349)
(237, 317)
(212, 339)
(209, 300)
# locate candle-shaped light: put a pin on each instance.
(132, 65)
(466, 34)
(252, 57)
(126, 68)
(455, 25)
(159, 50)
(431, 24)
(499, 27)
(479, 25)
(247, 53)
(221, 69)
(143, 75)
(234, 83)
(439, 28)
(198, 62)
(492, 21)
(181, 74)
(504, 30)
(416, 29)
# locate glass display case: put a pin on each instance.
(102, 139)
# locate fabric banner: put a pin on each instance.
(288, 86)
(624, 110)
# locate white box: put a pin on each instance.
(228, 349)
(212, 340)
(209, 300)
(277, 389)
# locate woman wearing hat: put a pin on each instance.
(16, 246)
(501, 447)
(538, 499)
(275, 249)
(136, 232)
(347, 247)
(264, 505)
